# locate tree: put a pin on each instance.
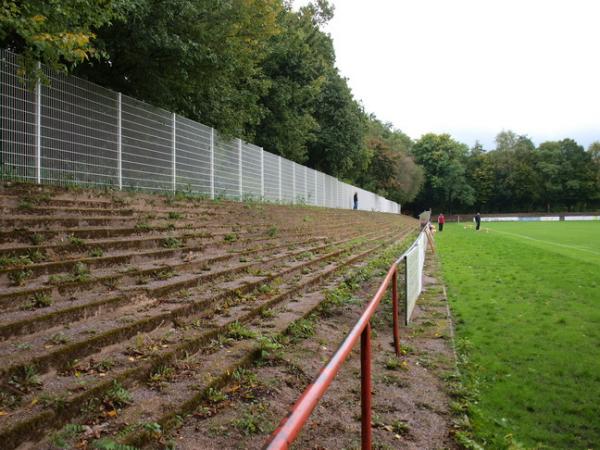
(297, 65)
(200, 58)
(444, 161)
(338, 148)
(57, 33)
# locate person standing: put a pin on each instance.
(441, 221)
(355, 200)
(477, 221)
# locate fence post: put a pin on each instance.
(293, 183)
(262, 174)
(240, 168)
(38, 127)
(395, 311)
(316, 188)
(212, 163)
(173, 144)
(406, 290)
(119, 142)
(365, 386)
(306, 185)
(279, 179)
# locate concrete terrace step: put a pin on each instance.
(114, 286)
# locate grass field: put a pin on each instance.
(526, 301)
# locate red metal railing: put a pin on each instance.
(290, 427)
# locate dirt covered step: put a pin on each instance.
(71, 283)
(37, 262)
(164, 352)
(161, 279)
(156, 313)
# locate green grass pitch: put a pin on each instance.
(526, 302)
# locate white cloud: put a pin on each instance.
(473, 68)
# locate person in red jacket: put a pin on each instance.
(441, 221)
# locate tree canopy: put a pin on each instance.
(260, 70)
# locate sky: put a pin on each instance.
(474, 68)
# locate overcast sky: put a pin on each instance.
(473, 68)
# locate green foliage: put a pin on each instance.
(18, 277)
(171, 242)
(76, 242)
(444, 162)
(238, 332)
(96, 252)
(117, 396)
(174, 215)
(60, 34)
(230, 237)
(63, 438)
(302, 328)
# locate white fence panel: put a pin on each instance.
(147, 144)
(251, 171)
(192, 159)
(271, 177)
(17, 122)
(227, 168)
(287, 181)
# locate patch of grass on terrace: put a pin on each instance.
(526, 303)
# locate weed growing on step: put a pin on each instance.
(18, 277)
(230, 237)
(160, 376)
(238, 332)
(76, 242)
(143, 226)
(14, 261)
(38, 300)
(174, 215)
(117, 396)
(37, 239)
(254, 420)
(401, 428)
(58, 339)
(164, 274)
(23, 346)
(67, 435)
(267, 313)
(54, 401)
(109, 444)
(268, 348)
(171, 242)
(302, 329)
(26, 380)
(214, 395)
(25, 204)
(272, 231)
(96, 252)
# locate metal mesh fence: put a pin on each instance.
(17, 122)
(68, 130)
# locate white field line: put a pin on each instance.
(552, 244)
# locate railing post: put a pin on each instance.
(240, 169)
(395, 311)
(173, 146)
(119, 142)
(212, 163)
(38, 127)
(365, 388)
